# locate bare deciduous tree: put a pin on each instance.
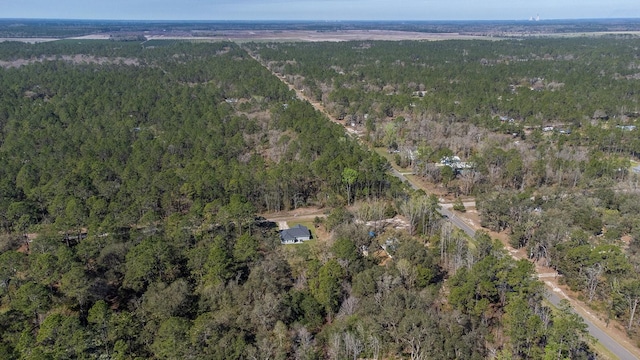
(348, 306)
(592, 275)
(353, 345)
(374, 344)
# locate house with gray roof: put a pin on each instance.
(295, 235)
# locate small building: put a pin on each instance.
(448, 160)
(456, 164)
(295, 235)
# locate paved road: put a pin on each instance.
(603, 338)
(607, 341)
(459, 223)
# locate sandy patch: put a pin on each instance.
(28, 40)
(283, 225)
(73, 59)
(93, 37)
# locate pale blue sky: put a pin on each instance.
(319, 9)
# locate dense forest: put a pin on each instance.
(545, 130)
(132, 176)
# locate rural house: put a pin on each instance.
(295, 235)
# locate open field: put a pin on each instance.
(343, 35)
(242, 36)
(29, 40)
(298, 35)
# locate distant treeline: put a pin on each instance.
(52, 28)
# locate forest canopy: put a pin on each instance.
(132, 173)
(542, 132)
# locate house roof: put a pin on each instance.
(298, 231)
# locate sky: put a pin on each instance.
(319, 9)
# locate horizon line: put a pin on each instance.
(317, 20)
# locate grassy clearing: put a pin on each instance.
(297, 253)
(385, 154)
